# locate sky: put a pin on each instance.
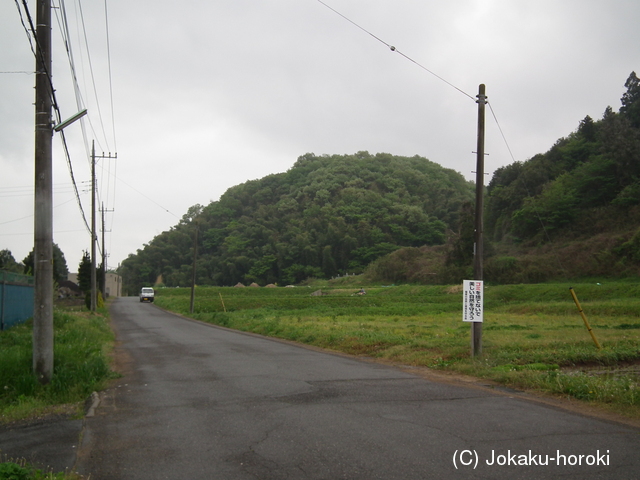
(197, 96)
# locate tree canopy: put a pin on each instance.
(60, 269)
(595, 167)
(7, 262)
(327, 215)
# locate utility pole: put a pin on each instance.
(94, 238)
(478, 273)
(43, 199)
(104, 255)
(104, 265)
(193, 271)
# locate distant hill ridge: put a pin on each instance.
(325, 216)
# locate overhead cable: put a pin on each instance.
(394, 49)
(54, 101)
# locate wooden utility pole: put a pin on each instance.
(478, 274)
(43, 199)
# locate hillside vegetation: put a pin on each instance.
(577, 206)
(327, 215)
(572, 212)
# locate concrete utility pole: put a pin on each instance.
(104, 264)
(104, 255)
(478, 273)
(43, 199)
(94, 238)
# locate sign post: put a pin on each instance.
(473, 301)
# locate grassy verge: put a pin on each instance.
(82, 343)
(533, 336)
(20, 470)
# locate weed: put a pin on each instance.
(12, 469)
(81, 365)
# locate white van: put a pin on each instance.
(146, 294)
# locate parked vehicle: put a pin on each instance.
(147, 294)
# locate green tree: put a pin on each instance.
(587, 129)
(554, 209)
(84, 272)
(631, 100)
(328, 263)
(60, 270)
(462, 249)
(7, 262)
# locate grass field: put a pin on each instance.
(82, 345)
(81, 365)
(533, 335)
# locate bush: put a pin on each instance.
(99, 300)
(13, 471)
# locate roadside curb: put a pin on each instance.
(93, 402)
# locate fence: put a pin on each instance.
(16, 298)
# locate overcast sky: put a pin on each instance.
(205, 94)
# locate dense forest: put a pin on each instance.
(576, 206)
(326, 216)
(596, 167)
(572, 211)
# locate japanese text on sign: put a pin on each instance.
(472, 301)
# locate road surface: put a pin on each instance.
(202, 402)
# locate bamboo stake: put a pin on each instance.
(223, 307)
(575, 299)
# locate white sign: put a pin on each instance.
(473, 300)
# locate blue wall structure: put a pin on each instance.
(16, 298)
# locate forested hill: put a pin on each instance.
(325, 216)
(583, 184)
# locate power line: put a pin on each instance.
(501, 132)
(93, 79)
(394, 49)
(113, 123)
(29, 191)
(53, 100)
(64, 25)
(29, 216)
(147, 197)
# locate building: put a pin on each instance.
(113, 286)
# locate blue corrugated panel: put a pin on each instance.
(16, 299)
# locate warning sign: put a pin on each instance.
(473, 298)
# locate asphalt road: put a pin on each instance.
(202, 402)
